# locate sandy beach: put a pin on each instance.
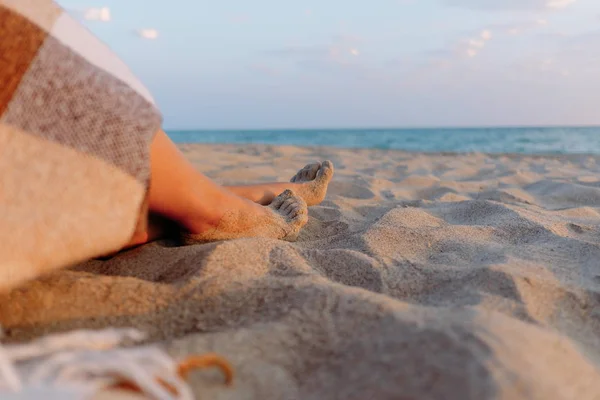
(421, 276)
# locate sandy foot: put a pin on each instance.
(316, 177)
(283, 219)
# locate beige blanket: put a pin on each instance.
(75, 129)
(420, 277)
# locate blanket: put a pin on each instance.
(75, 130)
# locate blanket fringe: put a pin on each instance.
(77, 365)
(184, 368)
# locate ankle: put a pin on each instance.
(211, 211)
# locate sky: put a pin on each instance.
(239, 64)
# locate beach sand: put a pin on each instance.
(419, 277)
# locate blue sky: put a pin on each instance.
(350, 63)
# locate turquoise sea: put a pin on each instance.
(489, 140)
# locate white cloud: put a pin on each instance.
(341, 54)
(475, 43)
(97, 14)
(338, 51)
(472, 47)
(479, 40)
(557, 4)
(150, 34)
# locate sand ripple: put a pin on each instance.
(420, 277)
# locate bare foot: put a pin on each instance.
(282, 219)
(314, 180)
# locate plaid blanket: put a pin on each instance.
(75, 130)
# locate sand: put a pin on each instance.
(419, 277)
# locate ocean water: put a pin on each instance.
(487, 140)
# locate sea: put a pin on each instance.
(525, 140)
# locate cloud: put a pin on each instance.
(338, 51)
(476, 43)
(97, 14)
(471, 47)
(149, 34)
(342, 53)
(473, 44)
(557, 4)
(511, 4)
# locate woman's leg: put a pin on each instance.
(310, 183)
(179, 193)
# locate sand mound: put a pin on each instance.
(420, 276)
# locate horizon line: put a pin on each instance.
(456, 127)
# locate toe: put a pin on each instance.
(326, 170)
(294, 210)
(279, 200)
(304, 172)
(300, 216)
(308, 173)
(287, 205)
(311, 171)
(295, 213)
